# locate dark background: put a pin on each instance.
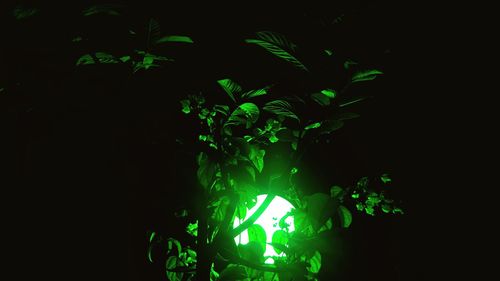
(92, 164)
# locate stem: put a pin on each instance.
(251, 220)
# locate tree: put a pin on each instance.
(237, 130)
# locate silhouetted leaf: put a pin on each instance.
(278, 51)
(276, 38)
(329, 126)
(321, 99)
(206, 170)
(107, 9)
(336, 192)
(174, 38)
(21, 12)
(281, 108)
(233, 272)
(256, 155)
(154, 32)
(320, 207)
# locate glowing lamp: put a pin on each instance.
(269, 221)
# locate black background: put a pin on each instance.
(90, 156)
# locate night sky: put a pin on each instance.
(91, 152)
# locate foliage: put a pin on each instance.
(236, 134)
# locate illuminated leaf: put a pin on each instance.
(313, 126)
(320, 207)
(345, 216)
(172, 263)
(281, 108)
(223, 109)
(329, 93)
(278, 51)
(327, 226)
(257, 234)
(192, 229)
(294, 171)
(280, 240)
(231, 88)
(174, 38)
(186, 106)
(171, 242)
(351, 101)
(348, 63)
(365, 75)
(315, 262)
(125, 58)
(255, 93)
(329, 52)
(246, 114)
(105, 58)
(85, 59)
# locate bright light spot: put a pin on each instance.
(269, 220)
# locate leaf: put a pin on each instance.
(206, 170)
(246, 114)
(186, 106)
(280, 108)
(276, 38)
(315, 262)
(365, 75)
(257, 234)
(321, 99)
(352, 101)
(329, 93)
(220, 208)
(174, 38)
(255, 93)
(125, 58)
(278, 51)
(256, 155)
(327, 226)
(223, 109)
(385, 178)
(347, 116)
(171, 263)
(280, 240)
(328, 52)
(85, 59)
(108, 9)
(320, 207)
(192, 229)
(21, 12)
(345, 216)
(330, 126)
(234, 272)
(313, 126)
(171, 242)
(285, 135)
(336, 192)
(154, 31)
(348, 63)
(231, 87)
(105, 58)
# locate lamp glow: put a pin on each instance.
(269, 220)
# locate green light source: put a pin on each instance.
(277, 210)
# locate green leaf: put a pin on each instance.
(246, 114)
(192, 229)
(231, 88)
(329, 93)
(125, 58)
(281, 108)
(85, 59)
(280, 240)
(315, 262)
(313, 126)
(186, 106)
(206, 170)
(327, 226)
(320, 207)
(220, 206)
(171, 263)
(256, 155)
(351, 101)
(278, 51)
(336, 192)
(174, 38)
(154, 31)
(257, 234)
(223, 109)
(171, 242)
(255, 93)
(345, 216)
(328, 52)
(234, 272)
(348, 63)
(105, 58)
(285, 135)
(276, 38)
(365, 75)
(385, 178)
(321, 99)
